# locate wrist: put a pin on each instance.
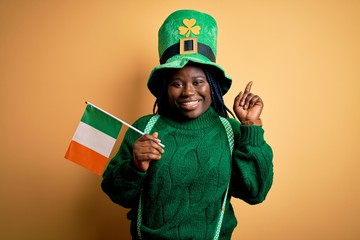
(257, 122)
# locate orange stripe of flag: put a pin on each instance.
(86, 157)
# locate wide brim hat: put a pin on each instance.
(187, 36)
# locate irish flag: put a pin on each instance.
(94, 139)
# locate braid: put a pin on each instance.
(161, 104)
(217, 96)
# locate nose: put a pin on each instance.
(188, 90)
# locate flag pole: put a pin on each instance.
(133, 128)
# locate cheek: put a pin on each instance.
(172, 96)
(208, 101)
(207, 94)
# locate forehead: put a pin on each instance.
(192, 71)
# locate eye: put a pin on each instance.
(199, 81)
(176, 84)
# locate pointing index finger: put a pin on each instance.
(248, 87)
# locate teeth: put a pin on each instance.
(189, 103)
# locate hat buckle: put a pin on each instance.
(188, 46)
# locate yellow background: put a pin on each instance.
(303, 57)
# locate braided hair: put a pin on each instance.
(217, 96)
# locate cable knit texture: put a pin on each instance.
(183, 192)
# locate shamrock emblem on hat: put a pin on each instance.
(190, 27)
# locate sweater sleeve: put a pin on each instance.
(121, 180)
(252, 167)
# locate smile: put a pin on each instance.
(189, 105)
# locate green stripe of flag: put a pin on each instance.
(101, 121)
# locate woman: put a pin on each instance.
(183, 191)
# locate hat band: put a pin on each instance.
(187, 47)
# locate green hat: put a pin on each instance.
(187, 36)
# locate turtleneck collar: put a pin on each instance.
(204, 121)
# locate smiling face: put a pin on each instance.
(189, 92)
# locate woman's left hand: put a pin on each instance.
(248, 106)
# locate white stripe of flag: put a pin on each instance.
(94, 139)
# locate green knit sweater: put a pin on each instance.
(183, 192)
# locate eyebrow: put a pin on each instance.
(179, 78)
